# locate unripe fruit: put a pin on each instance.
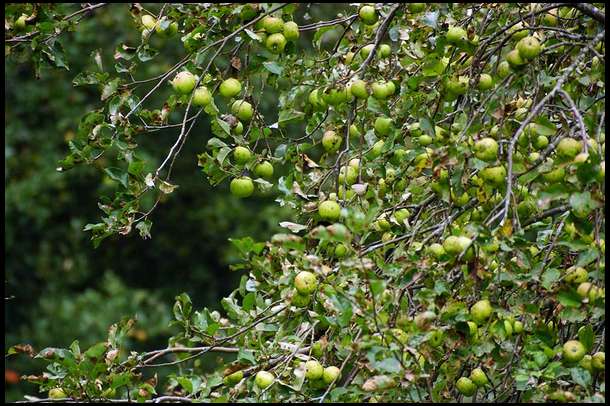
(201, 96)
(264, 170)
(275, 43)
(305, 282)
(486, 149)
(423, 320)
(573, 351)
(242, 187)
(540, 142)
(465, 386)
(366, 50)
(380, 90)
(331, 374)
(368, 14)
(291, 31)
(576, 275)
(233, 378)
(478, 377)
(242, 110)
(494, 175)
(586, 363)
(230, 88)
(299, 300)
(485, 81)
(457, 86)
(239, 128)
(331, 141)
(401, 215)
(568, 148)
(169, 31)
(518, 327)
(384, 50)
(528, 47)
(503, 69)
(554, 176)
(481, 311)
(272, 25)
(549, 19)
(329, 210)
(184, 82)
(21, 22)
(313, 370)
(57, 393)
(377, 148)
(348, 174)
(456, 35)
(599, 361)
(436, 250)
(340, 250)
(148, 21)
(264, 379)
(358, 89)
(587, 290)
(514, 59)
(436, 338)
(383, 125)
(241, 155)
(454, 245)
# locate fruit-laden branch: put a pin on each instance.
(533, 113)
(579, 120)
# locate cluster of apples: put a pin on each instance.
(164, 27)
(275, 33)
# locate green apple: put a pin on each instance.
(340, 250)
(503, 69)
(517, 31)
(581, 158)
(184, 82)
(485, 81)
(383, 125)
(514, 59)
(354, 132)
(335, 97)
(528, 47)
(478, 377)
(573, 351)
(329, 210)
(242, 187)
(465, 386)
(368, 14)
(586, 363)
(21, 22)
(599, 361)
(234, 378)
(331, 141)
(401, 215)
(436, 250)
(305, 282)
(540, 142)
(456, 35)
(57, 393)
(385, 51)
(230, 88)
(454, 245)
(400, 335)
(316, 100)
(169, 31)
(366, 50)
(424, 319)
(291, 31)
(555, 175)
(508, 328)
(348, 175)
(275, 43)
(313, 370)
(436, 338)
(588, 290)
(331, 374)
(149, 21)
(264, 379)
(495, 175)
(354, 163)
(377, 148)
(241, 155)
(390, 88)
(568, 148)
(273, 25)
(549, 19)
(202, 96)
(457, 86)
(299, 300)
(238, 128)
(242, 110)
(380, 90)
(359, 89)
(481, 310)
(576, 275)
(264, 170)
(518, 327)
(486, 149)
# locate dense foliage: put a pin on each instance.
(444, 168)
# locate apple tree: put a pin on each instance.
(444, 164)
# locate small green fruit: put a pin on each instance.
(478, 377)
(202, 96)
(273, 25)
(299, 300)
(518, 327)
(568, 148)
(291, 31)
(149, 21)
(242, 187)
(494, 175)
(313, 370)
(368, 14)
(385, 51)
(599, 361)
(528, 47)
(576, 275)
(436, 250)
(485, 81)
(275, 43)
(465, 386)
(241, 155)
(587, 363)
(383, 125)
(184, 82)
(573, 351)
(242, 110)
(456, 35)
(233, 378)
(481, 311)
(230, 88)
(305, 282)
(454, 245)
(359, 90)
(486, 149)
(331, 374)
(503, 69)
(331, 141)
(264, 170)
(264, 379)
(329, 210)
(514, 59)
(57, 393)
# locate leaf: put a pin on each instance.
(294, 227)
(569, 298)
(586, 336)
(110, 88)
(581, 377)
(247, 245)
(390, 365)
(549, 277)
(118, 175)
(96, 351)
(166, 187)
(289, 116)
(273, 67)
(246, 356)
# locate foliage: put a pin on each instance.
(453, 196)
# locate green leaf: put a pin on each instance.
(586, 336)
(246, 356)
(96, 351)
(273, 67)
(569, 298)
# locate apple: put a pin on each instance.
(184, 82)
(465, 386)
(230, 88)
(587, 290)
(436, 338)
(495, 175)
(340, 250)
(305, 282)
(331, 141)
(517, 31)
(233, 378)
(436, 250)
(549, 19)
(481, 310)
(385, 51)
(366, 50)
(316, 100)
(335, 97)
(508, 328)
(573, 351)
(275, 43)
(377, 148)
(359, 89)
(401, 215)
(568, 148)
(380, 90)
(149, 21)
(457, 86)
(291, 31)
(599, 361)
(273, 25)
(348, 174)
(503, 69)
(555, 175)
(486, 149)
(331, 374)
(423, 319)
(478, 377)
(390, 88)
(517, 327)
(242, 110)
(514, 59)
(485, 81)
(299, 300)
(383, 125)
(576, 275)
(456, 35)
(329, 210)
(313, 370)
(587, 363)
(169, 31)
(264, 379)
(248, 12)
(540, 142)
(400, 335)
(57, 393)
(202, 96)
(354, 163)
(241, 155)
(264, 170)
(528, 47)
(239, 128)
(454, 245)
(368, 14)
(242, 187)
